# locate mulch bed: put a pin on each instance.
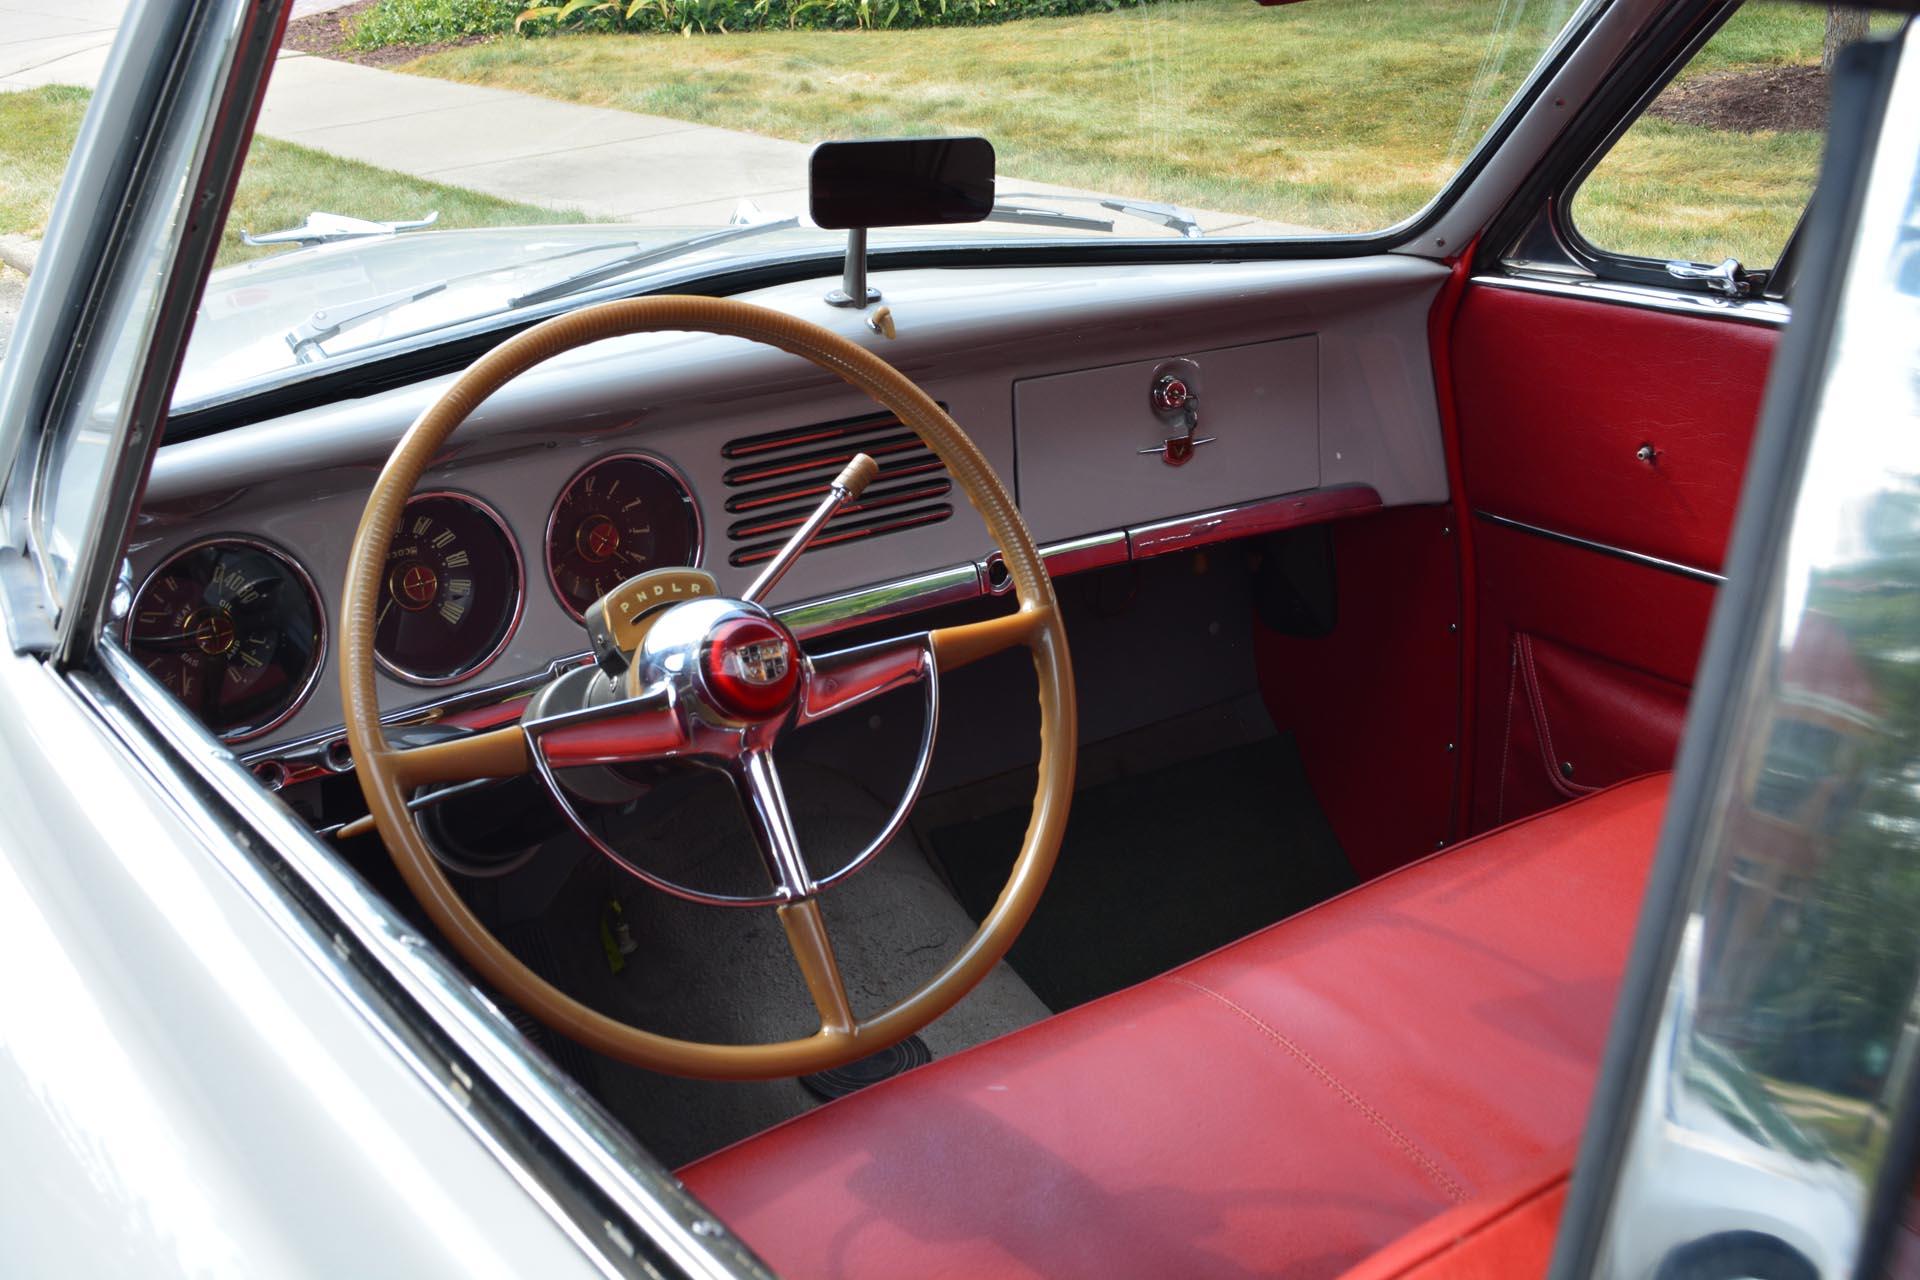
(1775, 98)
(325, 34)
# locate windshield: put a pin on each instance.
(430, 165)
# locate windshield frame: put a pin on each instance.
(451, 347)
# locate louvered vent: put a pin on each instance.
(774, 480)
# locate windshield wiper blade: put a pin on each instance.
(581, 280)
(1170, 216)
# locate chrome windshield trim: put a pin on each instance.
(344, 921)
(1763, 311)
(1606, 549)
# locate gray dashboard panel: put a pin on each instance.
(967, 336)
(1085, 440)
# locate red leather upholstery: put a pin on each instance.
(1288, 1104)
(1503, 1234)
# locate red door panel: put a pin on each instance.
(1557, 395)
(1585, 659)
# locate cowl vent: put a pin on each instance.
(775, 479)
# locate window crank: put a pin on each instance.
(1171, 394)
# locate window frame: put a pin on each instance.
(1540, 243)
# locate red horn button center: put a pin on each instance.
(749, 667)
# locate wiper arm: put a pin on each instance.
(1034, 216)
(305, 338)
(580, 280)
(324, 325)
(1170, 216)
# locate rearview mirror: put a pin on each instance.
(901, 182)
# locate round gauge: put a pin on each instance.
(622, 515)
(451, 593)
(234, 629)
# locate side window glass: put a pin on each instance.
(1723, 162)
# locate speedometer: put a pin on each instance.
(452, 590)
(233, 628)
(622, 515)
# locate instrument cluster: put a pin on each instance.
(236, 629)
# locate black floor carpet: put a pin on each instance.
(1157, 868)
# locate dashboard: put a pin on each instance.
(1132, 410)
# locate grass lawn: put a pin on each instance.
(279, 186)
(1341, 114)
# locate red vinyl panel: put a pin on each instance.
(1557, 395)
(1375, 705)
(1584, 659)
(1632, 634)
(1285, 1106)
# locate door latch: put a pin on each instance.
(1171, 395)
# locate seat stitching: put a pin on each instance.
(1455, 1191)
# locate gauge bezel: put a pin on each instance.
(654, 460)
(492, 513)
(322, 650)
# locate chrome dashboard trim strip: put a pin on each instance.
(1606, 549)
(904, 597)
(882, 602)
(314, 746)
(1078, 555)
(1248, 519)
(1763, 311)
(357, 925)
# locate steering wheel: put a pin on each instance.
(683, 672)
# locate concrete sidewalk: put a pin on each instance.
(611, 165)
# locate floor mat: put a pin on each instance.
(1157, 868)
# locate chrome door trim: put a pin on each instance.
(544, 1128)
(1605, 549)
(1760, 311)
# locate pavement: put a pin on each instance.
(611, 165)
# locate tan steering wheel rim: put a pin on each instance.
(387, 776)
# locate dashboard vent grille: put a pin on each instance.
(775, 479)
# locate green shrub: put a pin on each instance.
(430, 21)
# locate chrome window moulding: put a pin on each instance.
(1762, 311)
(572, 1157)
(1607, 549)
(902, 598)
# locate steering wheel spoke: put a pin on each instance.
(955, 647)
(496, 753)
(845, 678)
(624, 732)
(757, 779)
(813, 950)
